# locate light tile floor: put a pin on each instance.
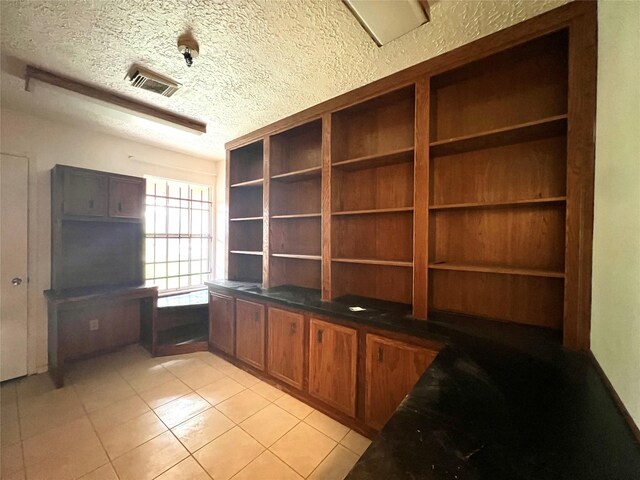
(129, 416)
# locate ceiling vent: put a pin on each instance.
(152, 82)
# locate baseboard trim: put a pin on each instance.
(616, 398)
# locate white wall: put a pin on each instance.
(615, 321)
(45, 143)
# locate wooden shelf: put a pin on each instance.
(370, 261)
(547, 127)
(403, 155)
(250, 183)
(516, 203)
(299, 257)
(299, 175)
(246, 252)
(529, 272)
(245, 219)
(297, 215)
(374, 211)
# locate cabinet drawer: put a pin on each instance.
(250, 333)
(286, 346)
(333, 351)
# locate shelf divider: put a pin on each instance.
(546, 127)
(246, 252)
(296, 215)
(298, 175)
(374, 211)
(296, 256)
(251, 183)
(245, 219)
(403, 155)
(529, 272)
(515, 203)
(372, 261)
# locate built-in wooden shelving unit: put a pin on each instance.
(246, 178)
(458, 191)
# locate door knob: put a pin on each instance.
(16, 281)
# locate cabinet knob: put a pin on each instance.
(380, 354)
(319, 335)
(91, 203)
(294, 328)
(119, 206)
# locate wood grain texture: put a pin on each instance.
(333, 352)
(296, 271)
(250, 333)
(247, 163)
(421, 199)
(527, 237)
(374, 188)
(299, 148)
(222, 322)
(300, 197)
(285, 346)
(530, 300)
(386, 236)
(502, 93)
(327, 206)
(300, 235)
(392, 283)
(392, 369)
(246, 236)
(378, 126)
(265, 238)
(580, 178)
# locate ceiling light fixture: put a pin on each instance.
(188, 47)
(387, 20)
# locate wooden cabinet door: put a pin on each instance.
(333, 351)
(286, 346)
(126, 197)
(84, 193)
(250, 333)
(392, 369)
(221, 322)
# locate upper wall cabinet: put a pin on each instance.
(84, 193)
(126, 197)
(97, 229)
(87, 193)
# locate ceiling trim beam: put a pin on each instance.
(33, 73)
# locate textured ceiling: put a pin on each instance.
(261, 60)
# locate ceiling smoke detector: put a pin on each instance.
(145, 79)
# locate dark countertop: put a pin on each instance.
(499, 402)
(86, 293)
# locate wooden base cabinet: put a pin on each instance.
(250, 327)
(286, 347)
(392, 369)
(333, 352)
(222, 322)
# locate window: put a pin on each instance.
(178, 234)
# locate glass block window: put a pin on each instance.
(178, 234)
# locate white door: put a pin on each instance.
(14, 181)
